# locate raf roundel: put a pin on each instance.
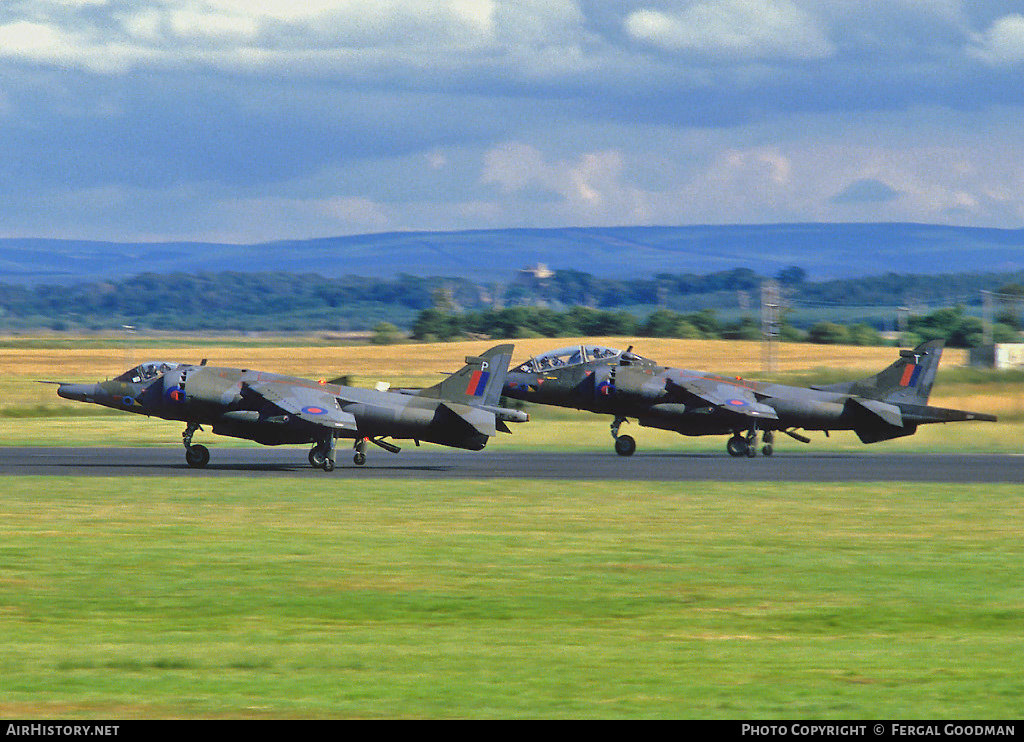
(736, 403)
(314, 410)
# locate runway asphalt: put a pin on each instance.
(437, 463)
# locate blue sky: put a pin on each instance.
(240, 121)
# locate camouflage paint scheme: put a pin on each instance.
(461, 411)
(891, 404)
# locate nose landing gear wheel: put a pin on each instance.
(625, 445)
(197, 456)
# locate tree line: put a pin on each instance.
(570, 302)
(957, 328)
(438, 323)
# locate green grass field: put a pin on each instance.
(231, 598)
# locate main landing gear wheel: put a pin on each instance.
(197, 456)
(736, 446)
(751, 444)
(625, 445)
(321, 456)
(746, 445)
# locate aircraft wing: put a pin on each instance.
(315, 406)
(731, 397)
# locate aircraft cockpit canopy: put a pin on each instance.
(574, 355)
(145, 371)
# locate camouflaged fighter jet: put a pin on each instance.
(891, 404)
(462, 411)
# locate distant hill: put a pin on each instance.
(825, 251)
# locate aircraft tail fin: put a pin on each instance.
(479, 382)
(909, 379)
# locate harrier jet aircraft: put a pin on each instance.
(889, 405)
(461, 411)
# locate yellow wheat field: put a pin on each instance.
(410, 360)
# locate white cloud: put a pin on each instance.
(513, 166)
(31, 40)
(199, 24)
(538, 37)
(436, 159)
(663, 111)
(590, 188)
(756, 168)
(145, 25)
(74, 3)
(546, 20)
(285, 10)
(705, 176)
(349, 211)
(910, 179)
(1002, 44)
(49, 44)
(746, 29)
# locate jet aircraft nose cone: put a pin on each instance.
(77, 392)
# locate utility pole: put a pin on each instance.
(769, 326)
(129, 345)
(986, 317)
(902, 322)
